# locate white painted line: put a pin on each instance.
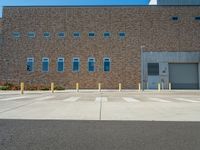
(13, 98)
(103, 99)
(187, 100)
(71, 99)
(128, 99)
(43, 98)
(159, 100)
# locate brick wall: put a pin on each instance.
(151, 26)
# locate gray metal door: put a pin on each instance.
(183, 76)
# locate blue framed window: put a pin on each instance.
(30, 64)
(91, 64)
(16, 34)
(77, 34)
(122, 35)
(61, 34)
(197, 18)
(175, 18)
(60, 64)
(91, 34)
(76, 64)
(31, 34)
(46, 34)
(45, 64)
(106, 35)
(106, 64)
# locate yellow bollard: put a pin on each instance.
(120, 87)
(77, 87)
(139, 87)
(158, 86)
(99, 86)
(52, 87)
(22, 87)
(170, 86)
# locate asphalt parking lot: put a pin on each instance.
(107, 120)
(105, 105)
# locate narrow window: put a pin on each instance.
(197, 18)
(31, 34)
(46, 34)
(91, 34)
(30, 64)
(16, 34)
(122, 35)
(60, 64)
(106, 64)
(75, 64)
(45, 64)
(76, 34)
(61, 34)
(153, 69)
(106, 35)
(175, 18)
(91, 64)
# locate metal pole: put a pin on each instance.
(142, 69)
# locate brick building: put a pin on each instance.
(102, 44)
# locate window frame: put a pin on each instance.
(197, 18)
(149, 72)
(76, 33)
(46, 36)
(89, 58)
(14, 36)
(78, 64)
(61, 37)
(106, 37)
(175, 18)
(63, 60)
(33, 63)
(91, 37)
(45, 61)
(31, 37)
(109, 64)
(122, 37)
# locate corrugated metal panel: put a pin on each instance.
(178, 2)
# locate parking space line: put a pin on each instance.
(129, 99)
(187, 100)
(103, 99)
(13, 98)
(71, 99)
(159, 100)
(43, 98)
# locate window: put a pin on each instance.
(106, 34)
(197, 18)
(76, 34)
(91, 34)
(122, 35)
(75, 64)
(46, 34)
(60, 64)
(30, 64)
(16, 34)
(153, 69)
(91, 64)
(106, 64)
(61, 34)
(31, 34)
(45, 64)
(175, 18)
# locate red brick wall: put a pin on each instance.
(144, 25)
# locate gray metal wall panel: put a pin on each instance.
(178, 2)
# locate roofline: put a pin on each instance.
(100, 6)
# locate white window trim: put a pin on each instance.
(45, 61)
(61, 37)
(77, 33)
(30, 59)
(34, 34)
(63, 60)
(104, 66)
(94, 64)
(46, 36)
(73, 64)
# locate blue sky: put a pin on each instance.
(70, 2)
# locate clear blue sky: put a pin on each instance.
(70, 2)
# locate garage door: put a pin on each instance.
(183, 76)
